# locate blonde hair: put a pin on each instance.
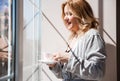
(83, 12)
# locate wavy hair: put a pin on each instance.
(82, 11)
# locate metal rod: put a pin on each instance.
(47, 74)
(33, 73)
(6, 77)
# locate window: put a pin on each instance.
(6, 41)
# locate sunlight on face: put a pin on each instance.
(70, 20)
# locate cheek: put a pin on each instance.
(74, 21)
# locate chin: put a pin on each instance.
(69, 27)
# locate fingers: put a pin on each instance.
(51, 65)
(60, 57)
(57, 56)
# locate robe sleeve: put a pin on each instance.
(92, 66)
(57, 70)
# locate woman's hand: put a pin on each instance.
(51, 65)
(61, 56)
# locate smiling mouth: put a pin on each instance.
(68, 23)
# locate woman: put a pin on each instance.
(84, 59)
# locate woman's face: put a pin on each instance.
(71, 21)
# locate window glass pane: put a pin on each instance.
(6, 60)
(31, 38)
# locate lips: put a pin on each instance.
(68, 23)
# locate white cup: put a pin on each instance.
(47, 56)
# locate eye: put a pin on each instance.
(68, 13)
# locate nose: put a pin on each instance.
(66, 18)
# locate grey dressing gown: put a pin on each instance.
(90, 50)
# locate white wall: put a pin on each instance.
(109, 25)
(105, 10)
